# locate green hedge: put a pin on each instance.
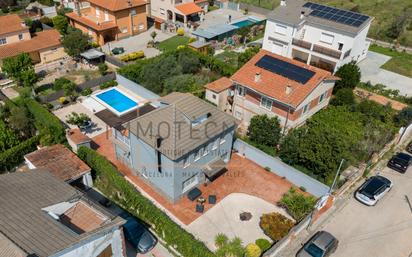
(51, 128)
(15, 155)
(113, 185)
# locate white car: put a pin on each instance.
(373, 190)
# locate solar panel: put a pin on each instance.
(285, 69)
(337, 15)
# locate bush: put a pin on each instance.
(192, 39)
(179, 47)
(15, 155)
(180, 32)
(77, 119)
(263, 244)
(108, 84)
(275, 225)
(343, 96)
(94, 44)
(252, 250)
(102, 68)
(264, 130)
(118, 189)
(349, 75)
(62, 100)
(297, 204)
(60, 82)
(87, 91)
(132, 56)
(404, 117)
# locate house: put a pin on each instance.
(109, 20)
(181, 11)
(319, 35)
(42, 216)
(62, 163)
(15, 38)
(274, 85)
(181, 142)
(76, 139)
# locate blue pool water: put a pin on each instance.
(244, 23)
(117, 100)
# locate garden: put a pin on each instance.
(401, 62)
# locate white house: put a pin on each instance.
(316, 34)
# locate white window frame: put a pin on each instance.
(133, 12)
(266, 105)
(238, 115)
(97, 12)
(198, 155)
(123, 30)
(222, 140)
(3, 41)
(327, 38)
(214, 96)
(186, 162)
(241, 91)
(205, 150)
(281, 29)
(305, 109)
(141, 26)
(106, 15)
(20, 36)
(192, 181)
(162, 11)
(215, 144)
(323, 96)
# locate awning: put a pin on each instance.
(188, 8)
(92, 54)
(214, 168)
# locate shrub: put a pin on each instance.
(59, 83)
(77, 119)
(263, 244)
(275, 225)
(180, 32)
(349, 75)
(62, 100)
(221, 240)
(297, 204)
(15, 155)
(108, 84)
(264, 130)
(229, 248)
(252, 250)
(192, 39)
(179, 47)
(102, 68)
(87, 92)
(118, 189)
(132, 56)
(94, 44)
(343, 96)
(404, 117)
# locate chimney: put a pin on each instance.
(77, 7)
(283, 3)
(257, 77)
(302, 15)
(288, 89)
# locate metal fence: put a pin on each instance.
(281, 169)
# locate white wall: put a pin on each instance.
(270, 32)
(209, 96)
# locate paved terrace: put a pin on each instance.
(242, 176)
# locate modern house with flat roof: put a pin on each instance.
(109, 20)
(274, 85)
(318, 35)
(15, 38)
(180, 142)
(42, 216)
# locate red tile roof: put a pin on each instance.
(59, 161)
(188, 8)
(77, 136)
(92, 24)
(82, 218)
(11, 23)
(219, 85)
(274, 85)
(39, 41)
(117, 5)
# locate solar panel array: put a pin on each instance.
(341, 16)
(285, 69)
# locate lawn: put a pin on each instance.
(228, 57)
(400, 63)
(172, 43)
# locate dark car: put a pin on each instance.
(138, 235)
(118, 50)
(400, 162)
(373, 190)
(322, 244)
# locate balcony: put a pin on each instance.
(327, 51)
(301, 43)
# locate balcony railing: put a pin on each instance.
(301, 43)
(347, 53)
(327, 51)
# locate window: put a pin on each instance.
(197, 155)
(214, 96)
(20, 36)
(186, 162)
(266, 103)
(240, 91)
(133, 12)
(141, 26)
(189, 183)
(90, 32)
(3, 41)
(238, 115)
(215, 144)
(162, 11)
(222, 140)
(205, 151)
(106, 15)
(224, 156)
(280, 29)
(340, 46)
(326, 38)
(323, 96)
(123, 30)
(97, 12)
(305, 108)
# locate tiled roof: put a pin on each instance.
(82, 218)
(188, 8)
(77, 137)
(60, 161)
(274, 85)
(172, 122)
(39, 41)
(11, 23)
(219, 85)
(117, 5)
(92, 24)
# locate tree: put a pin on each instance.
(343, 96)
(264, 130)
(349, 75)
(229, 248)
(102, 68)
(404, 117)
(60, 23)
(19, 68)
(70, 90)
(20, 121)
(77, 119)
(29, 78)
(75, 42)
(7, 138)
(247, 55)
(243, 32)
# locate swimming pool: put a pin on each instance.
(248, 22)
(116, 100)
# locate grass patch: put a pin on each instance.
(400, 62)
(172, 43)
(228, 57)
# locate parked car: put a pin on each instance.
(118, 50)
(373, 190)
(138, 235)
(322, 244)
(400, 162)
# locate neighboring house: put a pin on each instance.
(76, 139)
(62, 163)
(318, 35)
(42, 216)
(177, 10)
(182, 142)
(109, 20)
(274, 85)
(43, 47)
(218, 93)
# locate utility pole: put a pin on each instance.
(336, 176)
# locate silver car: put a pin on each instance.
(373, 190)
(322, 244)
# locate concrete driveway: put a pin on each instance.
(384, 230)
(371, 71)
